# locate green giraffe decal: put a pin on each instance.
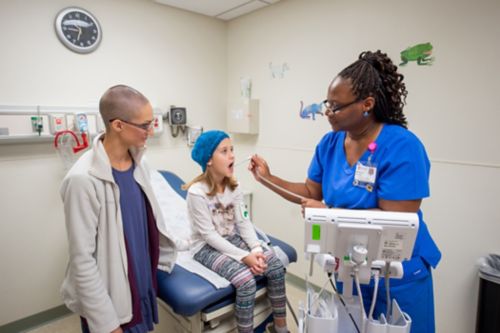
(421, 53)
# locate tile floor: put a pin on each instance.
(71, 323)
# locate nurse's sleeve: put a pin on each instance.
(403, 173)
(315, 171)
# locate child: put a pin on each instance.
(224, 239)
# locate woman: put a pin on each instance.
(371, 161)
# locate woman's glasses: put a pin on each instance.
(336, 108)
(146, 126)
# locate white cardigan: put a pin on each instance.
(217, 216)
(96, 284)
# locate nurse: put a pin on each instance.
(371, 161)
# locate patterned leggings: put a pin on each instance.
(242, 279)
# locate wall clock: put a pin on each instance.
(78, 30)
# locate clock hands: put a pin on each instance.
(79, 33)
(78, 24)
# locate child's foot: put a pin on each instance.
(271, 329)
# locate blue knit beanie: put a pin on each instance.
(205, 145)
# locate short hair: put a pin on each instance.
(374, 74)
(121, 102)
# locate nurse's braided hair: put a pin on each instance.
(374, 74)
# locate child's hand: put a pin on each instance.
(256, 262)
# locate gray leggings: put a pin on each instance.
(243, 280)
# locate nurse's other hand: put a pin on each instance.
(117, 330)
(258, 167)
(311, 203)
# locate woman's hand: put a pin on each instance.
(311, 203)
(256, 261)
(117, 330)
(258, 167)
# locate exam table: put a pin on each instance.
(189, 303)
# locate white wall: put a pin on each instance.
(451, 107)
(172, 56)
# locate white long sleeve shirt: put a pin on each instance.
(213, 218)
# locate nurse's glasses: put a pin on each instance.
(337, 108)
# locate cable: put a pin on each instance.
(387, 290)
(311, 264)
(319, 295)
(375, 291)
(297, 196)
(291, 311)
(343, 302)
(360, 296)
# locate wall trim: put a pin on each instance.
(35, 320)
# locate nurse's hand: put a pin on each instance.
(311, 203)
(258, 167)
(117, 330)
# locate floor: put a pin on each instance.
(71, 323)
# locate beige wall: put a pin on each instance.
(180, 58)
(451, 107)
(172, 56)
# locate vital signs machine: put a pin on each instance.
(353, 246)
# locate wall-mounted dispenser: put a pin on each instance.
(243, 116)
(193, 132)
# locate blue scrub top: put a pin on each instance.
(402, 174)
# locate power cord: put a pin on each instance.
(343, 302)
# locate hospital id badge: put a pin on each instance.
(365, 175)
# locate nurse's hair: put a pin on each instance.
(374, 74)
(120, 102)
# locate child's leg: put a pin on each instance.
(240, 277)
(275, 274)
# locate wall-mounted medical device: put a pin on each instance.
(177, 116)
(365, 242)
(177, 119)
(27, 124)
(388, 236)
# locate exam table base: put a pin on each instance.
(218, 321)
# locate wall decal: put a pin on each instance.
(310, 111)
(421, 53)
(278, 71)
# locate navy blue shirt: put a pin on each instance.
(135, 225)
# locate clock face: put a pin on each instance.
(78, 30)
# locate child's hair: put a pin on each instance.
(202, 152)
(207, 179)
